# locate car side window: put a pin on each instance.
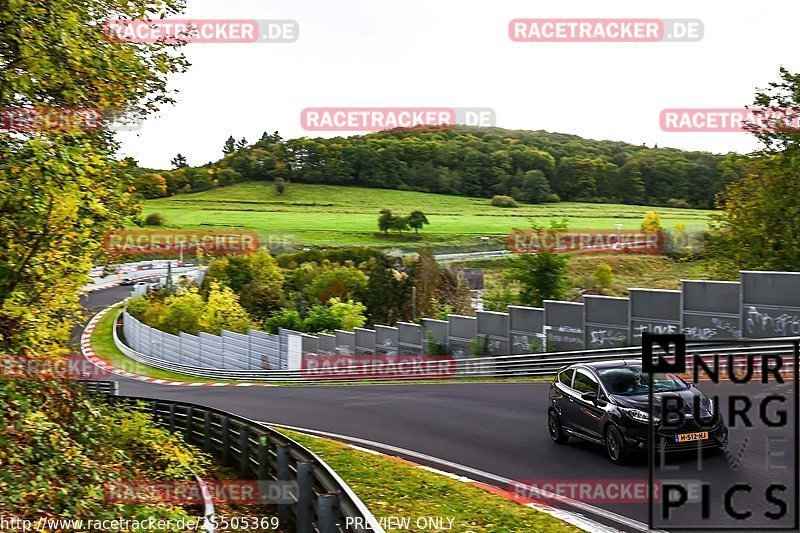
(584, 382)
(566, 377)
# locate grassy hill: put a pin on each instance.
(334, 215)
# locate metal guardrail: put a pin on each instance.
(110, 388)
(322, 501)
(506, 366)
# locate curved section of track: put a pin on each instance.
(498, 429)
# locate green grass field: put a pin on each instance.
(333, 215)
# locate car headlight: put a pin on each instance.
(638, 415)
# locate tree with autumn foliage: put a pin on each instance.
(223, 311)
(758, 226)
(61, 191)
(151, 185)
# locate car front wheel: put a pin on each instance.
(615, 445)
(556, 431)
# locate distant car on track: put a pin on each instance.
(607, 403)
(127, 281)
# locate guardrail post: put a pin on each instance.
(328, 513)
(154, 408)
(207, 431)
(305, 497)
(226, 440)
(249, 351)
(263, 458)
(171, 418)
(283, 474)
(244, 450)
(190, 423)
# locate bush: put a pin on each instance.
(340, 282)
(503, 201)
(553, 198)
(479, 347)
(336, 314)
(280, 186)
(651, 222)
(434, 347)
(155, 219)
(287, 319)
(60, 446)
(137, 306)
(183, 310)
(356, 254)
(678, 203)
(604, 276)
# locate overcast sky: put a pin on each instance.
(457, 53)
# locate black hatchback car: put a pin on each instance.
(607, 403)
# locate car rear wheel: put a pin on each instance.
(615, 445)
(556, 431)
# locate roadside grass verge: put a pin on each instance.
(102, 341)
(392, 488)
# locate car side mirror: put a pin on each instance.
(589, 396)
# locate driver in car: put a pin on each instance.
(635, 384)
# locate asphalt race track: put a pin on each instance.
(501, 429)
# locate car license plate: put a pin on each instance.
(689, 437)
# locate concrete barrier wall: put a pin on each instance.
(386, 340)
(762, 305)
(410, 339)
(526, 329)
(365, 341)
(327, 343)
(434, 330)
(256, 350)
(710, 310)
(654, 311)
(493, 332)
(770, 304)
(564, 326)
(345, 342)
(462, 332)
(607, 322)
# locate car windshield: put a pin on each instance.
(629, 380)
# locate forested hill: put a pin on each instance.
(531, 166)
